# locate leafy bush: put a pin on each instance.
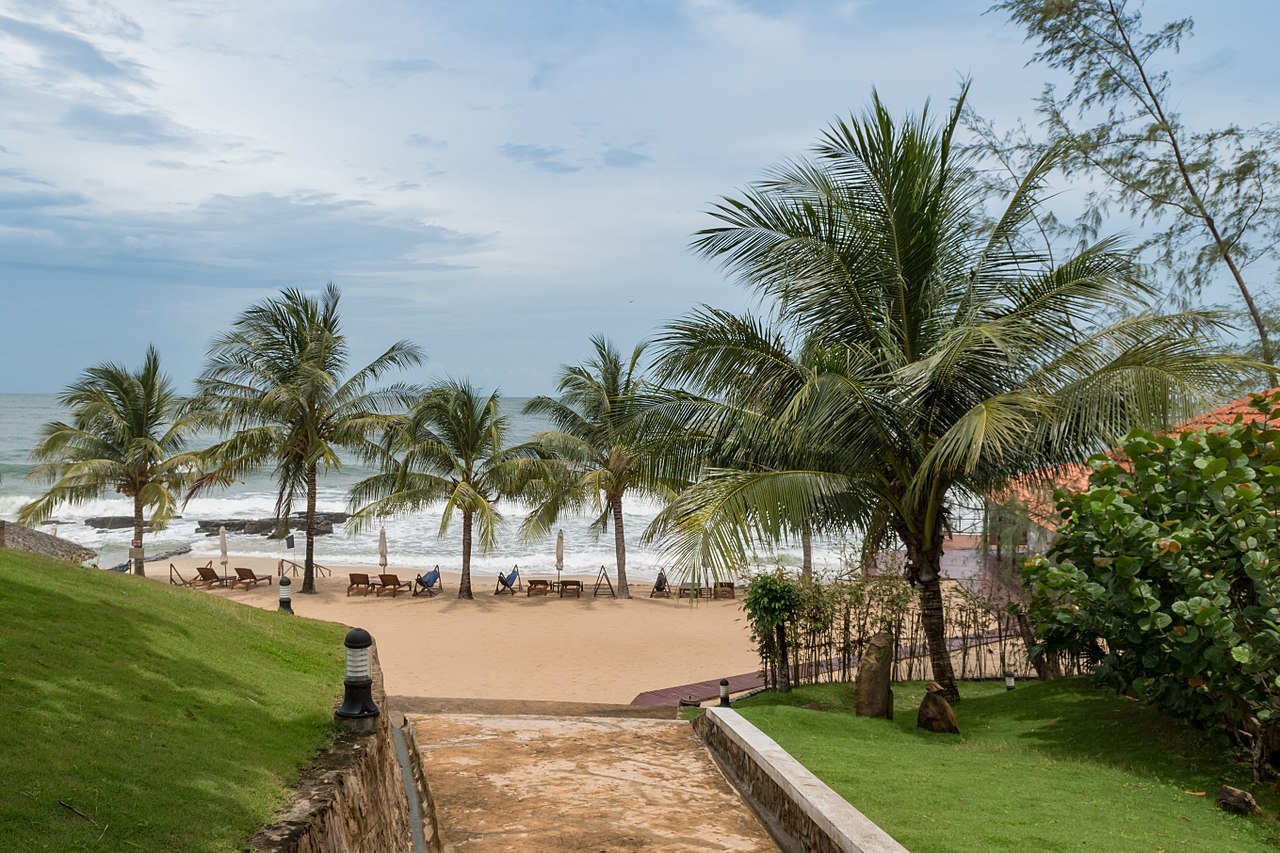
(1167, 572)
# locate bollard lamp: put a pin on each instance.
(724, 693)
(357, 696)
(1009, 682)
(286, 595)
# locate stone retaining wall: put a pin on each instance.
(798, 809)
(21, 538)
(350, 799)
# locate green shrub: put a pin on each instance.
(1167, 572)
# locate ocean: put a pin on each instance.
(413, 541)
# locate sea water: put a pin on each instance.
(414, 541)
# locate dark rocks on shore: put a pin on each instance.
(269, 526)
(19, 538)
(111, 522)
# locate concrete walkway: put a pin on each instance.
(594, 783)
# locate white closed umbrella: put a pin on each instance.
(382, 547)
(222, 546)
(559, 556)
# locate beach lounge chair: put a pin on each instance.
(428, 583)
(208, 578)
(389, 583)
(725, 589)
(249, 578)
(538, 586)
(688, 590)
(509, 582)
(604, 586)
(176, 578)
(661, 587)
(360, 583)
(574, 587)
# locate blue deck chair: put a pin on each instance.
(509, 582)
(428, 583)
(661, 587)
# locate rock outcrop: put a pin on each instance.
(21, 538)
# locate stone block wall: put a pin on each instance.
(350, 799)
(801, 812)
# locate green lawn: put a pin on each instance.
(174, 719)
(1055, 766)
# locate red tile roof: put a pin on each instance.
(1036, 493)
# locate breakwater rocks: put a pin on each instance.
(269, 526)
(21, 538)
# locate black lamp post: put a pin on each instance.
(724, 693)
(358, 710)
(1009, 682)
(286, 594)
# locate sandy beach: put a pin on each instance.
(505, 647)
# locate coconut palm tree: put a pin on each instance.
(450, 448)
(948, 353)
(128, 435)
(600, 443)
(277, 383)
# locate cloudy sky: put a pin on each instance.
(494, 180)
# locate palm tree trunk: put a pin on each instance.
(309, 564)
(620, 548)
(137, 534)
(806, 563)
(924, 567)
(464, 588)
(784, 662)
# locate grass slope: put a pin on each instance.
(174, 719)
(1054, 766)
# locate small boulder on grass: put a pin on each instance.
(936, 713)
(1236, 801)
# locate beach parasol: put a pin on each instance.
(559, 556)
(222, 546)
(382, 547)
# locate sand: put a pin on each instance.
(504, 647)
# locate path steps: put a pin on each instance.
(600, 777)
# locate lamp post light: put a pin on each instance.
(358, 713)
(724, 693)
(286, 594)
(1009, 682)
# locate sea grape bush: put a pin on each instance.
(1167, 572)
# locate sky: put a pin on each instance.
(496, 181)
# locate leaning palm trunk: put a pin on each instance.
(464, 586)
(620, 547)
(138, 568)
(309, 567)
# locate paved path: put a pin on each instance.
(556, 783)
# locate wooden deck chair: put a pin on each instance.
(208, 578)
(249, 578)
(428, 583)
(360, 583)
(687, 589)
(661, 587)
(176, 578)
(389, 583)
(509, 583)
(725, 589)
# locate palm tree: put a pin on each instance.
(451, 447)
(599, 441)
(947, 353)
(127, 435)
(275, 382)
